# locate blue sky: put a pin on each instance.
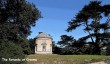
(56, 15)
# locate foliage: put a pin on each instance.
(25, 46)
(10, 50)
(32, 45)
(91, 17)
(65, 40)
(108, 49)
(16, 19)
(69, 50)
(56, 50)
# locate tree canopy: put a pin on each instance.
(16, 19)
(92, 18)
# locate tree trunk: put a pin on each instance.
(89, 33)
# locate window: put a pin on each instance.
(43, 44)
(43, 48)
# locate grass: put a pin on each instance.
(66, 59)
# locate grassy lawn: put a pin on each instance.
(66, 59)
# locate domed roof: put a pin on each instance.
(43, 35)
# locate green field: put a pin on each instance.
(66, 59)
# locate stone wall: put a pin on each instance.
(39, 46)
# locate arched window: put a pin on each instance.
(43, 48)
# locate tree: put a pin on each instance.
(10, 50)
(66, 40)
(32, 45)
(108, 49)
(91, 17)
(25, 44)
(16, 19)
(56, 50)
(68, 45)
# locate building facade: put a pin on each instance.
(43, 44)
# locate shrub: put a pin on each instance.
(10, 50)
(108, 49)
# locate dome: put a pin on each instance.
(43, 35)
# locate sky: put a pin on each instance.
(56, 15)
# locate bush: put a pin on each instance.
(70, 51)
(26, 48)
(56, 50)
(32, 45)
(24, 43)
(10, 50)
(108, 49)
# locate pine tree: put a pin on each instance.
(91, 17)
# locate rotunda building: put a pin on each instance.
(43, 44)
